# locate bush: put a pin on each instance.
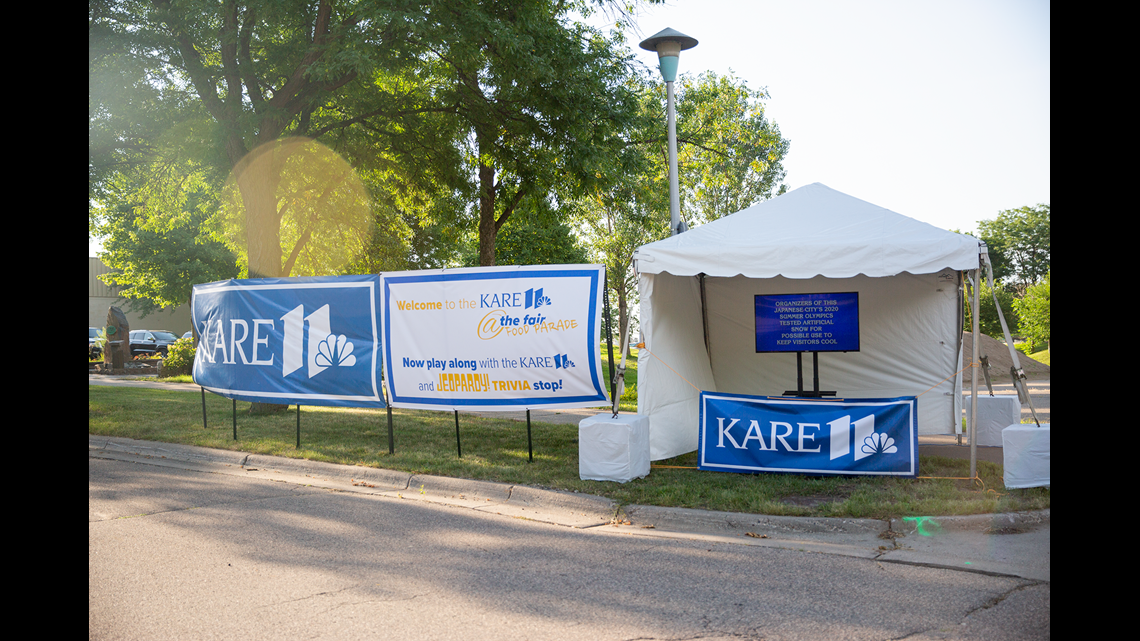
(179, 358)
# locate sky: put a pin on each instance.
(937, 110)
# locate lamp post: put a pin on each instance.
(669, 43)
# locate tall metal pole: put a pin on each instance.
(674, 186)
(669, 43)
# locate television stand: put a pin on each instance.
(800, 391)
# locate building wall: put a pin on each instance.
(101, 297)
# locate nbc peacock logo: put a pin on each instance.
(869, 442)
(324, 348)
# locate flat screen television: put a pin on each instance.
(807, 322)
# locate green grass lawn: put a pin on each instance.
(496, 450)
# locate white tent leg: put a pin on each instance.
(973, 436)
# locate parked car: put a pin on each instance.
(147, 341)
(94, 351)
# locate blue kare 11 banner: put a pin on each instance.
(310, 341)
(748, 434)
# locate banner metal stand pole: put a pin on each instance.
(235, 417)
(391, 441)
(458, 448)
(529, 449)
(203, 407)
(298, 426)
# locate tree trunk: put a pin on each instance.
(257, 176)
(486, 216)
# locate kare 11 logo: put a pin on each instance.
(745, 434)
(500, 319)
(531, 298)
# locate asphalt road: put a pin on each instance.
(186, 545)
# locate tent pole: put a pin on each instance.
(609, 338)
(973, 434)
(705, 316)
(956, 417)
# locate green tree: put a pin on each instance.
(538, 97)
(1033, 314)
(537, 234)
(729, 158)
(1018, 245)
(988, 321)
(487, 100)
(157, 258)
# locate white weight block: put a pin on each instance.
(994, 414)
(613, 449)
(1025, 450)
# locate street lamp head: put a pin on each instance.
(668, 43)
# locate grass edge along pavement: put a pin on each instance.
(496, 450)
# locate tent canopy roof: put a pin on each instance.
(807, 232)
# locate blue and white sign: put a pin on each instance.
(310, 341)
(748, 434)
(827, 322)
(494, 338)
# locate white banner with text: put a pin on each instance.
(494, 338)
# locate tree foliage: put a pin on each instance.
(729, 158)
(988, 321)
(155, 244)
(537, 234)
(1018, 245)
(472, 102)
(1033, 314)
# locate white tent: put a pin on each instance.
(810, 240)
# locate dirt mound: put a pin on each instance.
(1000, 362)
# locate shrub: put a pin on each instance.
(179, 358)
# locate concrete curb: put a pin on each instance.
(594, 509)
(983, 523)
(565, 508)
(686, 519)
